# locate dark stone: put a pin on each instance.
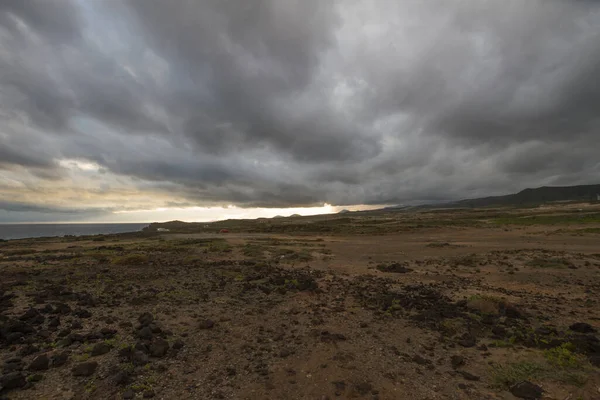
(468, 376)
(29, 314)
(582, 327)
(82, 313)
(395, 267)
(126, 352)
(420, 360)
(527, 390)
(54, 322)
(155, 329)
(512, 312)
(145, 333)
(60, 359)
(285, 353)
(12, 380)
(64, 332)
(101, 348)
(121, 378)
(108, 333)
(206, 324)
(15, 337)
(141, 347)
(77, 337)
(499, 331)
(159, 348)
(64, 342)
(139, 358)
(35, 377)
(148, 394)
(47, 309)
(178, 344)
(594, 359)
(457, 361)
(19, 327)
(93, 336)
(61, 308)
(76, 324)
(128, 394)
(467, 341)
(40, 363)
(363, 388)
(11, 367)
(145, 319)
(28, 350)
(230, 371)
(84, 369)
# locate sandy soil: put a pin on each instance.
(454, 312)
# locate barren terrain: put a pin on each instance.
(422, 304)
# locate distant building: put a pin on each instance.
(162, 230)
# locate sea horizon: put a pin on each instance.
(27, 230)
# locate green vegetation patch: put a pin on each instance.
(554, 262)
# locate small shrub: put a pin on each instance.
(563, 356)
(555, 262)
(506, 375)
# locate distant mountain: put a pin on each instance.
(540, 195)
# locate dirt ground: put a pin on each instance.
(477, 310)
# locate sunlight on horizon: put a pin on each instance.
(210, 214)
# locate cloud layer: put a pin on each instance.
(110, 106)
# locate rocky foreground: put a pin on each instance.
(251, 317)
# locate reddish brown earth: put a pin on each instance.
(472, 311)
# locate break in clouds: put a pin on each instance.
(133, 105)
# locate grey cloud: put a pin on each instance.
(299, 102)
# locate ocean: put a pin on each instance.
(22, 231)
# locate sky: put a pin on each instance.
(150, 110)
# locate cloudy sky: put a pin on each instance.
(145, 110)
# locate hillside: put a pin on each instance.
(540, 195)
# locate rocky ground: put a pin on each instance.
(435, 313)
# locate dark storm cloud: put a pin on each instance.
(297, 102)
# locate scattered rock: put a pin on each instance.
(145, 333)
(121, 378)
(60, 359)
(285, 353)
(84, 369)
(468, 376)
(148, 394)
(395, 268)
(146, 319)
(108, 333)
(457, 361)
(139, 358)
(582, 327)
(420, 360)
(76, 324)
(467, 341)
(363, 388)
(526, 390)
(101, 348)
(40, 363)
(206, 324)
(159, 348)
(12, 380)
(178, 344)
(128, 394)
(82, 313)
